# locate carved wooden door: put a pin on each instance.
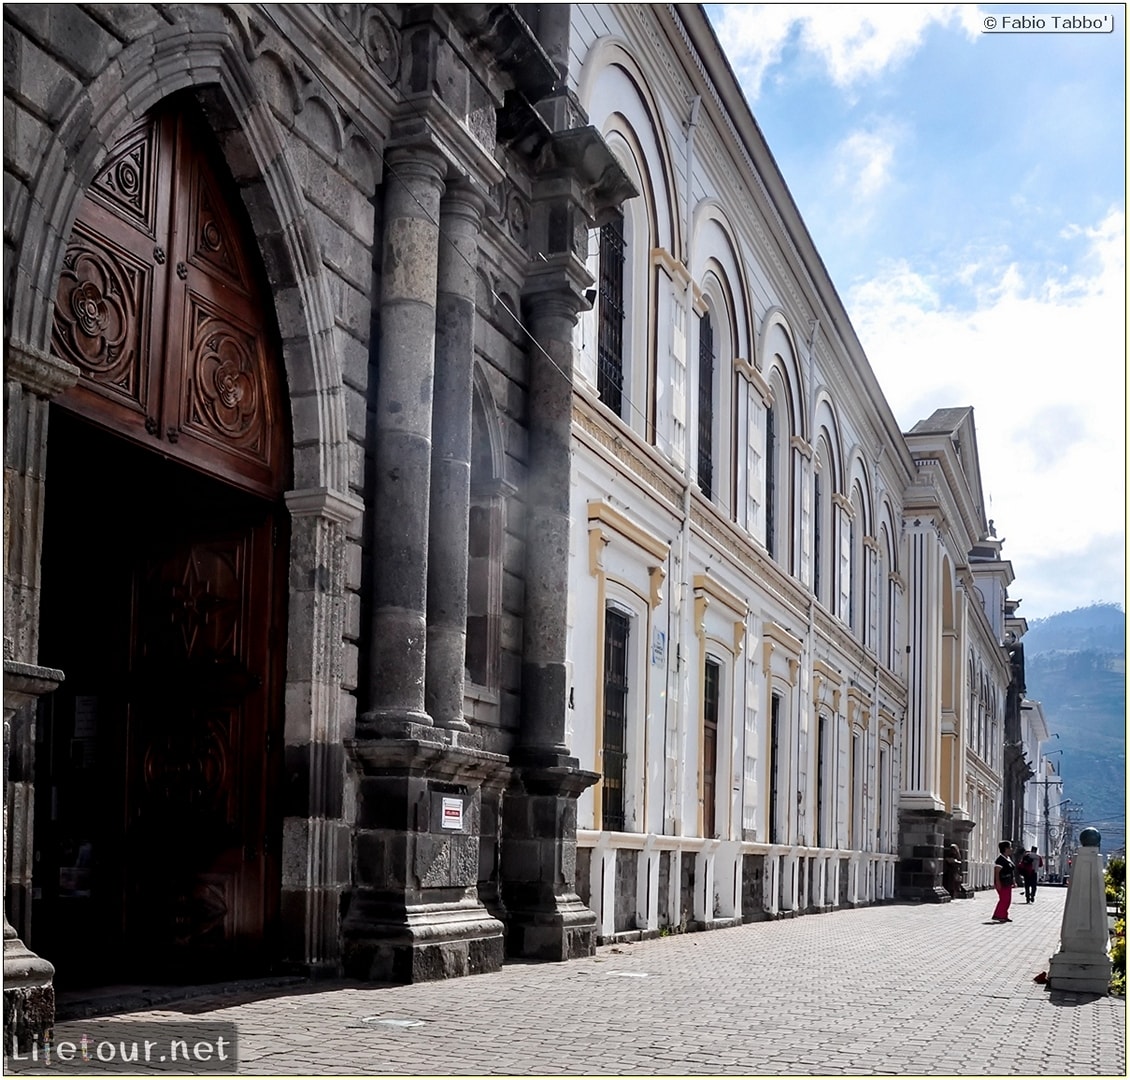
(199, 756)
(160, 308)
(160, 304)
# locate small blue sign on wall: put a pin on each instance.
(658, 648)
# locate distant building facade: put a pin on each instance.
(448, 512)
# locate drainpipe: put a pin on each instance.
(809, 829)
(685, 601)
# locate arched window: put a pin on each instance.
(823, 521)
(610, 315)
(771, 470)
(707, 398)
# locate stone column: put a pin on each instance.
(414, 912)
(460, 215)
(552, 317)
(546, 918)
(403, 443)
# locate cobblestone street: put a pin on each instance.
(922, 990)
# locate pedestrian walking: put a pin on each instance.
(1030, 863)
(1004, 877)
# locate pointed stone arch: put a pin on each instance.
(205, 54)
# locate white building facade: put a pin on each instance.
(781, 668)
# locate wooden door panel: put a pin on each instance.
(128, 184)
(197, 780)
(162, 311)
(103, 324)
(224, 409)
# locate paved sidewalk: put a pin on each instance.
(930, 990)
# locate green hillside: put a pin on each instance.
(1075, 665)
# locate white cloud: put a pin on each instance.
(863, 165)
(852, 41)
(1043, 364)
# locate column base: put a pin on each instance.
(414, 914)
(421, 944)
(566, 932)
(1080, 973)
(29, 996)
(922, 855)
(398, 724)
(546, 919)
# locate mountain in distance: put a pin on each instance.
(1075, 666)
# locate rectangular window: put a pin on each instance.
(821, 768)
(817, 520)
(712, 682)
(706, 405)
(881, 809)
(774, 766)
(770, 484)
(610, 316)
(855, 840)
(616, 628)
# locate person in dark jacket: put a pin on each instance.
(1030, 863)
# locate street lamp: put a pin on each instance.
(1045, 781)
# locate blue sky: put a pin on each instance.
(966, 191)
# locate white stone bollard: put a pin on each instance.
(1083, 963)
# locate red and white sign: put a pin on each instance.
(453, 813)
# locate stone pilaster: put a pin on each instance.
(921, 855)
(31, 378)
(399, 506)
(316, 837)
(460, 216)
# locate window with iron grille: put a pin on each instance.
(712, 683)
(774, 766)
(821, 767)
(817, 550)
(610, 316)
(706, 404)
(616, 626)
(770, 483)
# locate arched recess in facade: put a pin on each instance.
(211, 63)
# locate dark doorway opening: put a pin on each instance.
(157, 819)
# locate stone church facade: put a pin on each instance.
(316, 502)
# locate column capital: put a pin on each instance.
(45, 375)
(417, 158)
(461, 198)
(341, 507)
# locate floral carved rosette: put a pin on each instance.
(228, 396)
(95, 312)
